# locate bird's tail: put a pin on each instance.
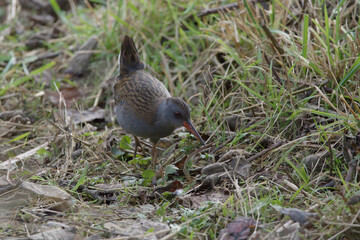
(129, 59)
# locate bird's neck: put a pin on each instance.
(163, 120)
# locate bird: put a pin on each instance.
(143, 106)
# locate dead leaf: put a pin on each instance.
(138, 229)
(8, 202)
(55, 231)
(107, 197)
(37, 5)
(233, 122)
(43, 19)
(38, 39)
(77, 153)
(15, 116)
(45, 77)
(234, 153)
(171, 187)
(181, 163)
(240, 229)
(311, 161)
(44, 6)
(94, 113)
(210, 181)
(27, 192)
(234, 161)
(63, 201)
(69, 94)
(196, 200)
(147, 208)
(354, 200)
(296, 215)
(104, 193)
(80, 62)
(21, 157)
(240, 166)
(214, 168)
(6, 115)
(290, 230)
(315, 161)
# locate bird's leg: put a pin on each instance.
(154, 155)
(137, 144)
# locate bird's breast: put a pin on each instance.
(135, 125)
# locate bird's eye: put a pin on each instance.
(177, 114)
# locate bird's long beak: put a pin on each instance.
(192, 129)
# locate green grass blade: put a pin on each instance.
(327, 34)
(59, 12)
(24, 135)
(354, 69)
(305, 35)
(24, 79)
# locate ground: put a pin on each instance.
(273, 88)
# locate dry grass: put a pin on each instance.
(279, 72)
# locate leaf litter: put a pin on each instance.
(63, 174)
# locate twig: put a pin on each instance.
(303, 8)
(97, 97)
(223, 144)
(272, 39)
(13, 9)
(348, 106)
(205, 147)
(325, 98)
(331, 157)
(352, 100)
(7, 164)
(9, 96)
(347, 226)
(346, 152)
(227, 7)
(295, 187)
(4, 165)
(352, 168)
(69, 133)
(107, 78)
(265, 151)
(47, 55)
(273, 70)
(187, 175)
(165, 68)
(10, 16)
(142, 236)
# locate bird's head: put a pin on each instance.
(178, 114)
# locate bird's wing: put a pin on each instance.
(141, 93)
